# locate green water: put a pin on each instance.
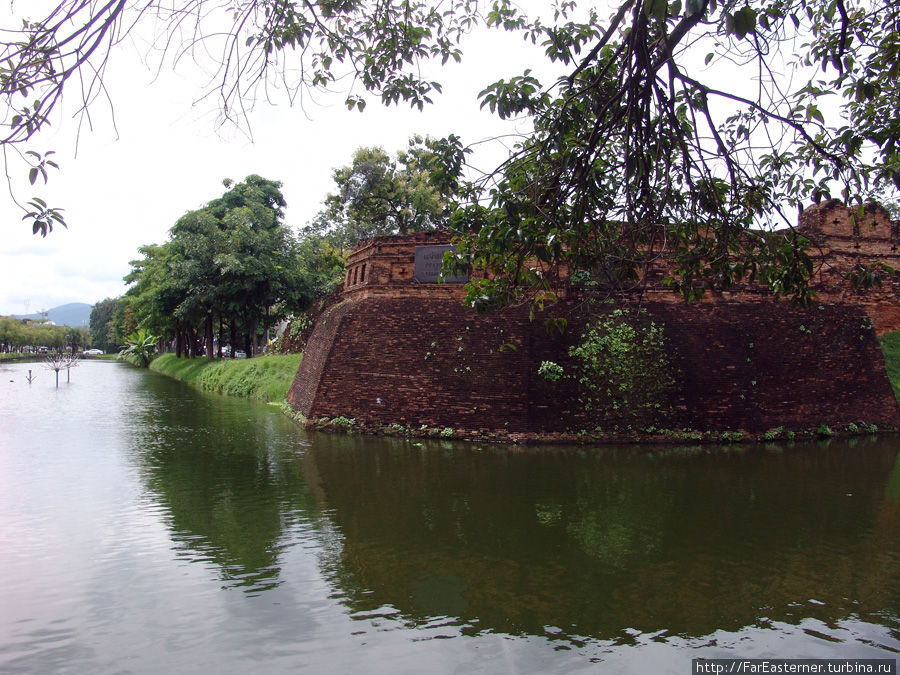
(147, 527)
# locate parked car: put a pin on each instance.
(240, 354)
(92, 352)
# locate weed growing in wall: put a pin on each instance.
(550, 371)
(623, 365)
(298, 325)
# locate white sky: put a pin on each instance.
(122, 192)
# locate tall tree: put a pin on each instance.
(231, 261)
(102, 324)
(258, 264)
(75, 337)
(154, 294)
(377, 194)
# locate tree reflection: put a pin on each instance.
(229, 487)
(556, 543)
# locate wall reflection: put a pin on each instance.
(583, 543)
(593, 543)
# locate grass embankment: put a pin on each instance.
(890, 347)
(264, 378)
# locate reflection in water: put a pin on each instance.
(617, 542)
(610, 544)
(232, 490)
(155, 528)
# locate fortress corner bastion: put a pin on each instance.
(399, 349)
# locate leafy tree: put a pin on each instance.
(75, 337)
(257, 265)
(196, 241)
(102, 324)
(233, 260)
(378, 195)
(8, 327)
(638, 151)
(321, 260)
(154, 295)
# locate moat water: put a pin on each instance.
(147, 527)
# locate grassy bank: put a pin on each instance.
(264, 378)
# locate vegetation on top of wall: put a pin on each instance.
(890, 347)
(264, 378)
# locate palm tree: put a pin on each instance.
(141, 346)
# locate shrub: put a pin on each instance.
(550, 371)
(623, 364)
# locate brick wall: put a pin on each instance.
(417, 361)
(395, 351)
(739, 366)
(843, 238)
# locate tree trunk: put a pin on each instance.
(209, 337)
(233, 337)
(221, 329)
(191, 341)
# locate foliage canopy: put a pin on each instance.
(680, 128)
(378, 194)
(232, 260)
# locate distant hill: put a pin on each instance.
(71, 314)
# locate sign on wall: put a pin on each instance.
(428, 266)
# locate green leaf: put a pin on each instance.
(655, 9)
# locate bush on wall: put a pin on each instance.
(623, 370)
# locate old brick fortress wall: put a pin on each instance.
(394, 351)
(843, 238)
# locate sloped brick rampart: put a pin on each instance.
(394, 351)
(843, 239)
(737, 366)
(319, 347)
(416, 361)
